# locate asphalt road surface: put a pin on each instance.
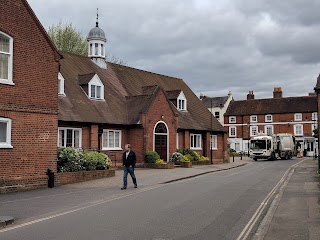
(218, 206)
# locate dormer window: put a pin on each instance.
(182, 102)
(61, 85)
(92, 86)
(6, 56)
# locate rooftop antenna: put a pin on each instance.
(97, 24)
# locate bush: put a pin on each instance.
(203, 158)
(195, 156)
(160, 161)
(72, 160)
(186, 158)
(151, 157)
(176, 157)
(96, 161)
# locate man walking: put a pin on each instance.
(129, 162)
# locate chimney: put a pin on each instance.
(277, 92)
(250, 95)
(201, 96)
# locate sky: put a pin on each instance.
(215, 46)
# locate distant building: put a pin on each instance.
(295, 115)
(217, 105)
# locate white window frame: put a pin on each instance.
(106, 133)
(61, 85)
(7, 143)
(314, 116)
(198, 141)
(215, 115)
(266, 129)
(314, 126)
(8, 81)
(254, 129)
(270, 118)
(298, 116)
(214, 142)
(253, 118)
(65, 136)
(182, 102)
(296, 133)
(96, 82)
(232, 119)
(230, 131)
(177, 140)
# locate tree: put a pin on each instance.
(68, 39)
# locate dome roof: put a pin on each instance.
(96, 33)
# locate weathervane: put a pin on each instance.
(97, 24)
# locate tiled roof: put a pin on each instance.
(85, 78)
(216, 101)
(272, 106)
(128, 92)
(173, 94)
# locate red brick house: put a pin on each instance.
(29, 66)
(295, 115)
(104, 106)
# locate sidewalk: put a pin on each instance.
(32, 205)
(296, 215)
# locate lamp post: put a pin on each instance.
(248, 124)
(211, 131)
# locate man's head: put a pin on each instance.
(127, 147)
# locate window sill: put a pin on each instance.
(6, 81)
(196, 148)
(5, 145)
(108, 149)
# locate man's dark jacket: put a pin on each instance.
(130, 160)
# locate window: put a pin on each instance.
(60, 84)
(232, 131)
(70, 137)
(95, 92)
(298, 130)
(102, 49)
(182, 102)
(195, 141)
(268, 130)
(96, 46)
(314, 116)
(217, 115)
(90, 49)
(214, 142)
(232, 119)
(96, 88)
(298, 117)
(253, 118)
(268, 118)
(111, 140)
(6, 56)
(253, 130)
(5, 133)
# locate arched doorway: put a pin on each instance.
(161, 140)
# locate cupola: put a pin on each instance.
(96, 45)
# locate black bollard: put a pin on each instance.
(50, 174)
(233, 158)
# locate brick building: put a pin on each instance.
(103, 106)
(29, 66)
(295, 115)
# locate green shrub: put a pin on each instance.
(160, 161)
(186, 158)
(70, 160)
(195, 156)
(203, 158)
(151, 157)
(176, 157)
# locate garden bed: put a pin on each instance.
(169, 165)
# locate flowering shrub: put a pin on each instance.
(203, 158)
(186, 158)
(151, 157)
(176, 156)
(72, 160)
(195, 156)
(160, 161)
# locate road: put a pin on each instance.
(213, 206)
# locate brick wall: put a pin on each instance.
(31, 103)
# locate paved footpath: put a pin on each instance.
(295, 213)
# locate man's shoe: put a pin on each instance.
(135, 186)
(123, 188)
